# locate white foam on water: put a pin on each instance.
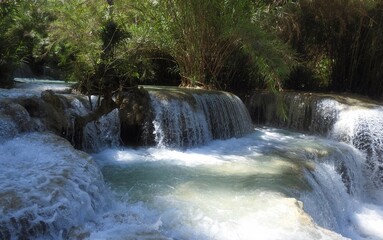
(243, 188)
(46, 187)
(246, 188)
(8, 129)
(271, 184)
(369, 221)
(363, 128)
(341, 198)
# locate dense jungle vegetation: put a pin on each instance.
(106, 45)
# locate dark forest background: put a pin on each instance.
(239, 46)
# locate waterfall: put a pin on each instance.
(338, 188)
(266, 183)
(180, 118)
(194, 118)
(313, 113)
(346, 194)
(346, 119)
(47, 188)
(363, 128)
(97, 135)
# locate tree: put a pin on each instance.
(24, 34)
(203, 35)
(93, 37)
(7, 48)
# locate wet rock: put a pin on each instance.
(135, 111)
(48, 110)
(18, 116)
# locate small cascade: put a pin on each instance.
(308, 112)
(103, 133)
(337, 187)
(363, 128)
(226, 115)
(350, 120)
(178, 123)
(187, 118)
(177, 118)
(270, 183)
(100, 134)
(13, 119)
(173, 117)
(54, 112)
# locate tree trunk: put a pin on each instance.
(107, 105)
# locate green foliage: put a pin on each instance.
(76, 37)
(226, 44)
(94, 44)
(104, 44)
(205, 36)
(8, 41)
(23, 26)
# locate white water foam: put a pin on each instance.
(46, 188)
(363, 128)
(103, 133)
(97, 135)
(246, 188)
(225, 113)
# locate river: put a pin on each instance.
(257, 183)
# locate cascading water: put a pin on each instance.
(97, 135)
(197, 118)
(342, 118)
(102, 133)
(210, 176)
(47, 188)
(179, 123)
(363, 128)
(308, 112)
(180, 119)
(345, 119)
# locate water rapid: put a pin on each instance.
(355, 121)
(241, 188)
(209, 174)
